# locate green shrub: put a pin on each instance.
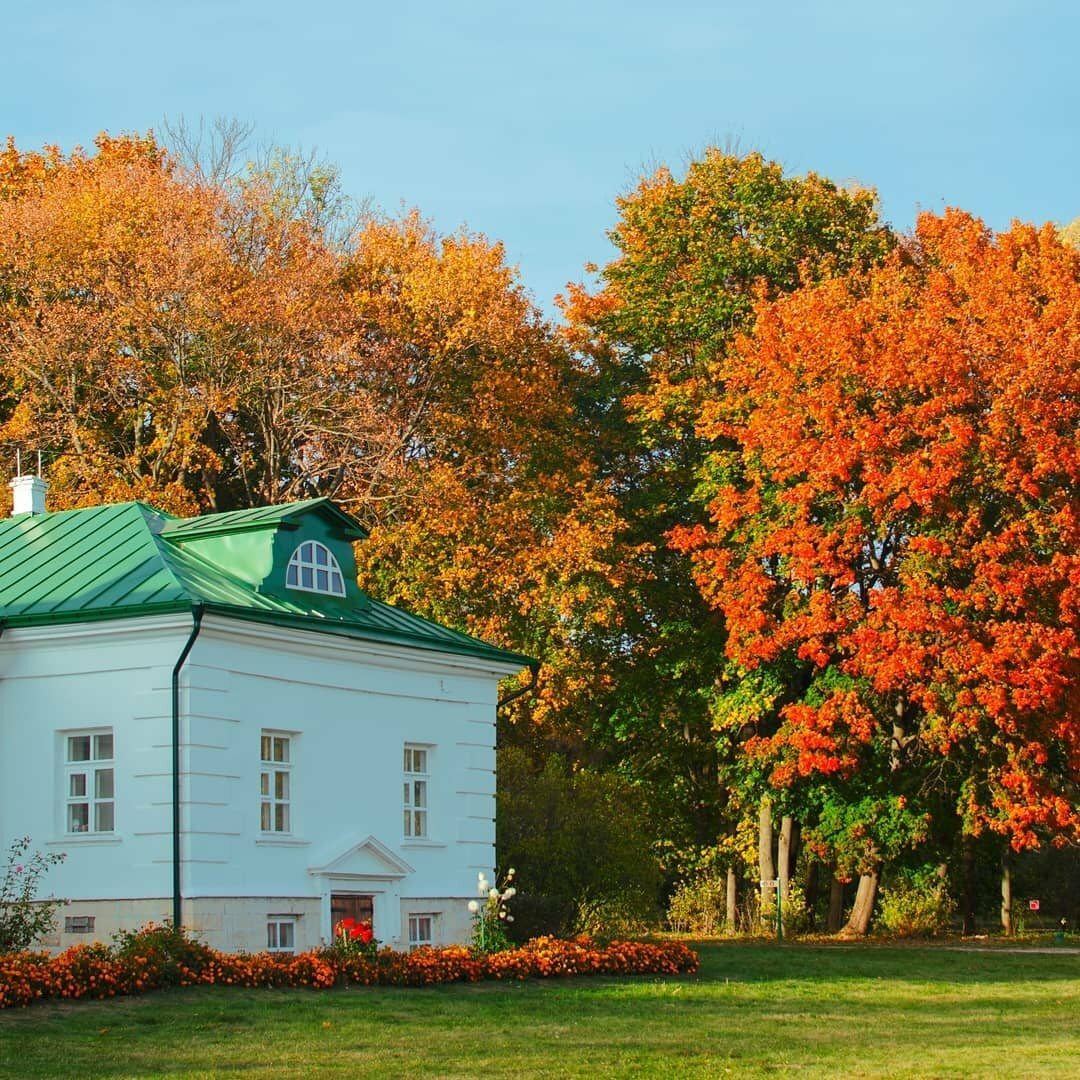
(580, 838)
(23, 917)
(698, 906)
(915, 903)
(607, 917)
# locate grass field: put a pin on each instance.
(753, 1010)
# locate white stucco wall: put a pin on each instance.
(349, 707)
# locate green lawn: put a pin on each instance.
(753, 1010)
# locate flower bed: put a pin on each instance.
(156, 957)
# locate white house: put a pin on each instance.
(219, 728)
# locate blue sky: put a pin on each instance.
(525, 121)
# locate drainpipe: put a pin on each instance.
(196, 615)
(534, 674)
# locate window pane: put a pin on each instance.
(78, 817)
(291, 577)
(281, 817)
(419, 761)
(79, 748)
(320, 555)
(407, 827)
(271, 935)
(285, 935)
(103, 747)
(420, 793)
(305, 553)
(281, 749)
(408, 759)
(264, 820)
(281, 785)
(408, 792)
(103, 783)
(306, 579)
(337, 585)
(265, 751)
(78, 784)
(322, 581)
(264, 783)
(103, 817)
(420, 823)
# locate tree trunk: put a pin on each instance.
(858, 923)
(783, 862)
(1006, 893)
(968, 927)
(836, 905)
(813, 877)
(766, 866)
(731, 896)
(783, 857)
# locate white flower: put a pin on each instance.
(502, 914)
(509, 893)
(510, 872)
(493, 894)
(509, 918)
(474, 907)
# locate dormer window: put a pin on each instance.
(313, 568)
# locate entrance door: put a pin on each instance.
(354, 906)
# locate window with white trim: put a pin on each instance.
(275, 782)
(281, 934)
(313, 568)
(416, 790)
(89, 782)
(421, 930)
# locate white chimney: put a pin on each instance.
(29, 495)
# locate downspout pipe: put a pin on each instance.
(196, 616)
(534, 674)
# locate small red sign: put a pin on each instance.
(1033, 904)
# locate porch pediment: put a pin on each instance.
(368, 860)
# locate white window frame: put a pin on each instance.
(313, 568)
(276, 797)
(279, 927)
(418, 921)
(90, 782)
(416, 773)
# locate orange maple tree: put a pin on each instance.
(895, 511)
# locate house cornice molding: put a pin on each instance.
(321, 644)
(98, 629)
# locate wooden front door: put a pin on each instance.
(350, 906)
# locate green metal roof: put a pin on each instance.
(112, 562)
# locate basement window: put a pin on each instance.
(313, 568)
(281, 934)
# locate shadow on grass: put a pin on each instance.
(828, 962)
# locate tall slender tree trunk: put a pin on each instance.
(968, 901)
(813, 879)
(862, 910)
(836, 904)
(783, 861)
(1006, 893)
(766, 866)
(731, 899)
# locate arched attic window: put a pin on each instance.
(313, 568)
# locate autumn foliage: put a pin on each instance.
(898, 517)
